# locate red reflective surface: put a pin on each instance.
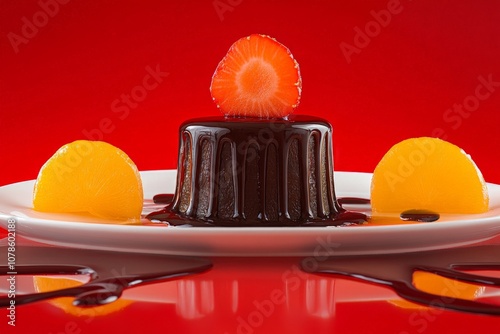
(256, 295)
(130, 72)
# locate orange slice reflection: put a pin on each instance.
(53, 283)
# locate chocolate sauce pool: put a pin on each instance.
(343, 219)
(353, 200)
(423, 216)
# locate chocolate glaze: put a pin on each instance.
(163, 198)
(347, 217)
(110, 273)
(419, 216)
(256, 172)
(344, 218)
(396, 271)
(422, 216)
(353, 200)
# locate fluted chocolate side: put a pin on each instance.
(247, 171)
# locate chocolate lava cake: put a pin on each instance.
(256, 172)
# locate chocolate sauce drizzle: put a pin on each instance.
(254, 172)
(353, 200)
(346, 217)
(424, 216)
(163, 198)
(396, 271)
(110, 273)
(343, 219)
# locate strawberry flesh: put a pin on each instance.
(257, 78)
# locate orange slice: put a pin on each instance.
(52, 283)
(90, 176)
(447, 288)
(428, 174)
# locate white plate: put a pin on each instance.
(86, 232)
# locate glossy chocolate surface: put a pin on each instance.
(419, 216)
(255, 172)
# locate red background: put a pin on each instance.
(66, 75)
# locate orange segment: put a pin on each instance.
(440, 286)
(428, 174)
(90, 176)
(446, 287)
(51, 283)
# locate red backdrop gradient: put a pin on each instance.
(379, 71)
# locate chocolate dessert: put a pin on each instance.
(257, 165)
(256, 172)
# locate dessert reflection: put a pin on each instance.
(319, 295)
(199, 298)
(251, 296)
(195, 299)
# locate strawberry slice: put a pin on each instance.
(257, 78)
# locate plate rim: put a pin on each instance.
(220, 228)
(484, 223)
